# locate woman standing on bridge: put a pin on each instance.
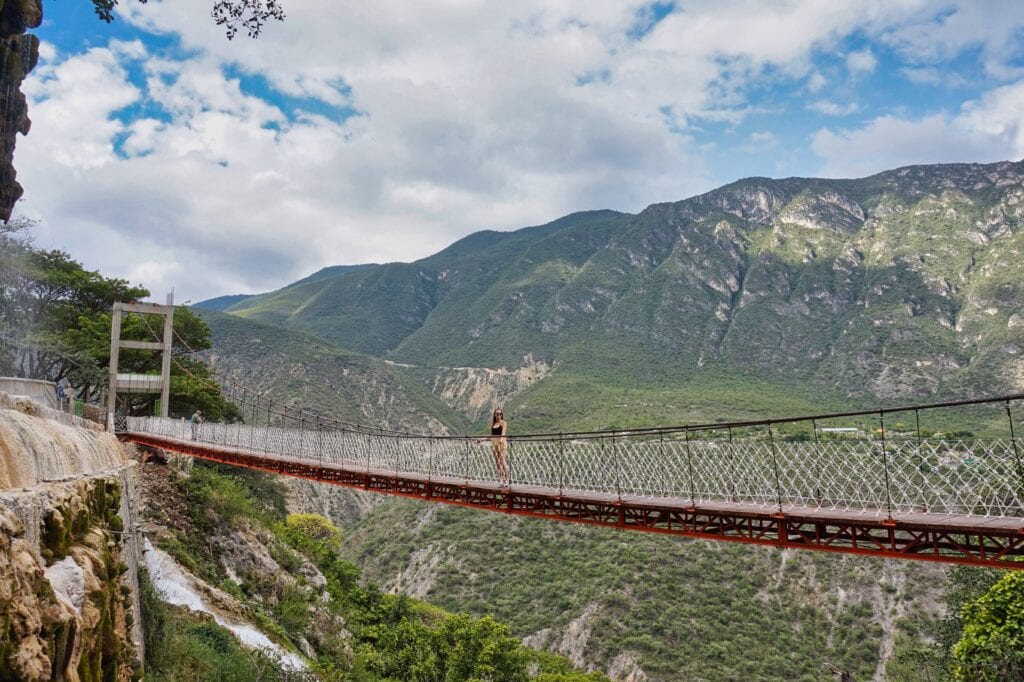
(499, 444)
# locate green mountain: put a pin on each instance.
(220, 303)
(299, 370)
(780, 295)
(372, 310)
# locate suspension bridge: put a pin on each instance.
(906, 497)
(883, 492)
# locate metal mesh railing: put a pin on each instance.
(958, 477)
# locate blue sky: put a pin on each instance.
(166, 154)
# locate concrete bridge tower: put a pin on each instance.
(140, 383)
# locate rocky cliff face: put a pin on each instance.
(68, 568)
(476, 391)
(18, 56)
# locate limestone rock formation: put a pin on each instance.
(35, 450)
(18, 56)
(68, 571)
(71, 619)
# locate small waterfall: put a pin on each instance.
(177, 587)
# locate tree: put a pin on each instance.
(457, 648)
(44, 294)
(55, 319)
(15, 245)
(231, 14)
(991, 648)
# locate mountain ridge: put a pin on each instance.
(902, 285)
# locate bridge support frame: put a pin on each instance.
(131, 383)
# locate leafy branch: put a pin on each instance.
(251, 15)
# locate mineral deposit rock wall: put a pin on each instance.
(37, 447)
(69, 555)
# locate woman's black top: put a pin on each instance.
(496, 430)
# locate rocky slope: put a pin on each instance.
(475, 391)
(299, 370)
(651, 608)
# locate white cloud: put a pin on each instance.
(999, 116)
(986, 130)
(760, 141)
(950, 28)
(470, 116)
(71, 101)
(861, 62)
(231, 196)
(930, 75)
(830, 108)
(816, 82)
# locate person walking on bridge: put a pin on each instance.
(499, 445)
(194, 421)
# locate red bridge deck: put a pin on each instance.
(975, 540)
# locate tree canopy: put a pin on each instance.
(55, 319)
(991, 648)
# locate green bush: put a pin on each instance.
(991, 648)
